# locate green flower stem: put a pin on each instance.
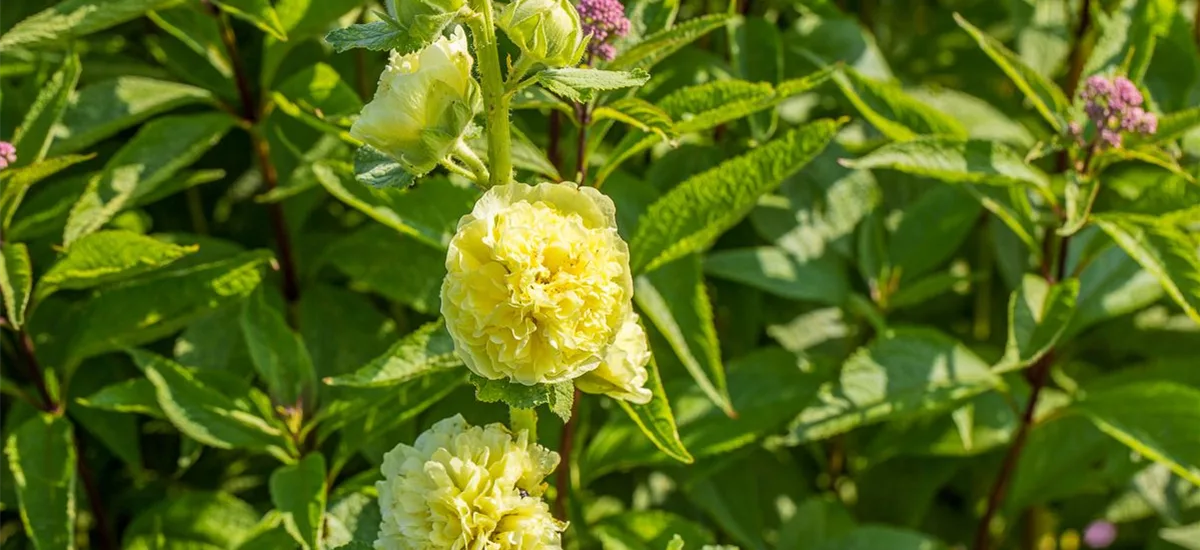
(524, 419)
(468, 156)
(495, 101)
(524, 63)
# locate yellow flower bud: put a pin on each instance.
(469, 488)
(423, 105)
(622, 374)
(538, 283)
(548, 31)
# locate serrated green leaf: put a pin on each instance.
(894, 113)
(388, 34)
(773, 270)
(956, 161)
(905, 372)
(428, 212)
(105, 108)
(259, 13)
(277, 353)
(374, 168)
(299, 491)
(148, 309)
(108, 256)
(675, 300)
(1038, 315)
(638, 113)
(655, 418)
(16, 281)
(1155, 418)
(136, 395)
(41, 454)
(1046, 96)
(582, 84)
(425, 350)
(1127, 37)
(1165, 250)
(1171, 126)
(558, 397)
(705, 106)
(208, 414)
(658, 46)
(72, 19)
(690, 217)
(32, 139)
(159, 150)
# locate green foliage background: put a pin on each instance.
(878, 295)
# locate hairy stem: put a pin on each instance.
(495, 100)
(468, 156)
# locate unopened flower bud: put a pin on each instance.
(8, 154)
(548, 31)
(423, 105)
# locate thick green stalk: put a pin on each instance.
(495, 101)
(524, 420)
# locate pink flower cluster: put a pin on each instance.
(604, 20)
(1114, 106)
(8, 154)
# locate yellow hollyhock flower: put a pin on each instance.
(460, 487)
(538, 283)
(622, 374)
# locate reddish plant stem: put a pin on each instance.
(93, 495)
(562, 479)
(262, 150)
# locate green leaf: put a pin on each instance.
(931, 230)
(768, 387)
(101, 110)
(192, 520)
(18, 180)
(774, 270)
(421, 352)
(278, 353)
(73, 19)
(147, 309)
(817, 520)
(648, 530)
(873, 537)
(32, 139)
(379, 259)
(1155, 418)
(41, 454)
(1165, 250)
(108, 256)
(1038, 315)
(210, 414)
(558, 397)
(1127, 37)
(1171, 126)
(894, 113)
(389, 34)
(374, 168)
(756, 48)
(1045, 95)
(342, 329)
(16, 281)
(705, 106)
(299, 491)
(159, 150)
(637, 113)
(428, 212)
(655, 418)
(259, 13)
(690, 217)
(1111, 285)
(675, 299)
(658, 46)
(131, 396)
(956, 161)
(905, 372)
(581, 84)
